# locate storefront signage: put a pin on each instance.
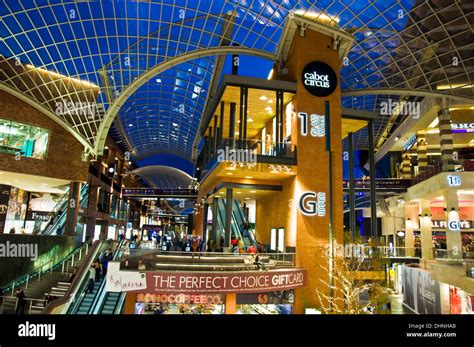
(319, 79)
(310, 207)
(317, 124)
(411, 141)
(380, 183)
(454, 181)
(462, 127)
(206, 283)
(4, 197)
(179, 298)
(124, 281)
(441, 224)
(453, 221)
(159, 192)
(38, 215)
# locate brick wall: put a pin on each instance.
(63, 159)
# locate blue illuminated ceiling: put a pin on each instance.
(116, 44)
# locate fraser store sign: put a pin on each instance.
(222, 282)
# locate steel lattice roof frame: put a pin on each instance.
(355, 18)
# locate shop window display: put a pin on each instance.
(161, 308)
(24, 139)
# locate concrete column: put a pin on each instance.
(72, 208)
(409, 237)
(204, 224)
(228, 216)
(406, 167)
(104, 229)
(453, 236)
(422, 153)
(446, 139)
(230, 303)
(214, 238)
(426, 232)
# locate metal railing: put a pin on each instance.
(79, 283)
(4, 299)
(139, 260)
(64, 263)
(99, 298)
(452, 254)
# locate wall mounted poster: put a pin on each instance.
(420, 292)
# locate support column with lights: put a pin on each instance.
(406, 166)
(214, 224)
(233, 106)
(422, 152)
(453, 228)
(409, 238)
(426, 230)
(446, 139)
(352, 213)
(221, 123)
(316, 132)
(72, 209)
(204, 224)
(228, 216)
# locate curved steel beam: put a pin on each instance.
(410, 92)
(47, 112)
(150, 73)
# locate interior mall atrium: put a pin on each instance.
(279, 157)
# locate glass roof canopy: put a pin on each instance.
(153, 61)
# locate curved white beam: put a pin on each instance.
(150, 73)
(47, 112)
(409, 92)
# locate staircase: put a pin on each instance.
(53, 283)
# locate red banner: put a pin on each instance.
(223, 282)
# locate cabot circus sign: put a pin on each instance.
(319, 79)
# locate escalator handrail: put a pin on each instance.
(60, 219)
(235, 227)
(58, 207)
(78, 281)
(242, 217)
(36, 271)
(99, 299)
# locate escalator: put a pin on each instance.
(236, 222)
(100, 301)
(56, 224)
(239, 215)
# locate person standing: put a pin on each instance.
(105, 265)
(21, 301)
(98, 269)
(92, 271)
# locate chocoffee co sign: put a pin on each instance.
(319, 79)
(209, 283)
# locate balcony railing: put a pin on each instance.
(251, 152)
(147, 259)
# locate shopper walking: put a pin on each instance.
(21, 301)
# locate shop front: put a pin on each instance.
(179, 303)
(269, 292)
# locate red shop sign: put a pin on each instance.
(216, 299)
(223, 282)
